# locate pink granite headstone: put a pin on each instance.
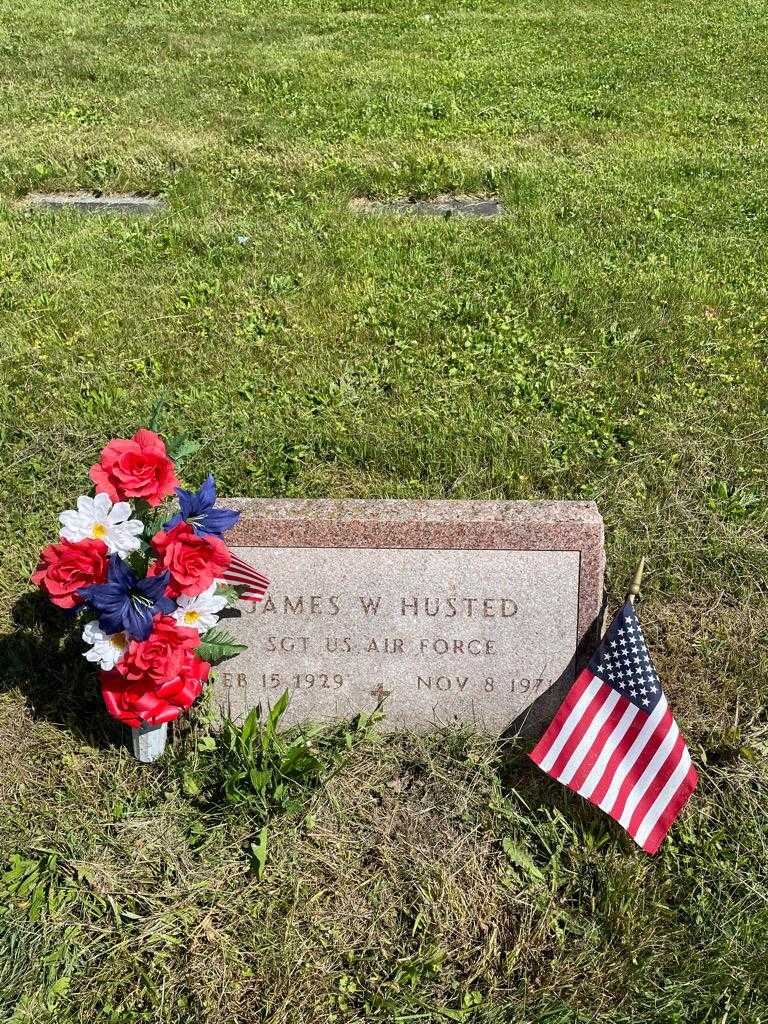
(448, 612)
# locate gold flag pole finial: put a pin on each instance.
(634, 589)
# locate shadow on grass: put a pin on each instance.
(547, 807)
(532, 723)
(42, 658)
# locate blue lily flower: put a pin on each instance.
(125, 602)
(197, 510)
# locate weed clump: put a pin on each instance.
(261, 772)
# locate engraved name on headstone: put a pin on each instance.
(447, 611)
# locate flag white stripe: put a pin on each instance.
(243, 573)
(637, 792)
(661, 802)
(586, 741)
(632, 754)
(570, 723)
(236, 560)
(240, 572)
(592, 780)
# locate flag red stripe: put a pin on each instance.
(242, 574)
(242, 580)
(656, 785)
(629, 737)
(608, 749)
(237, 567)
(542, 748)
(236, 560)
(584, 722)
(671, 811)
(640, 764)
(588, 763)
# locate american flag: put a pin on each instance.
(615, 742)
(244, 575)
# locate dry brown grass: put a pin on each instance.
(434, 878)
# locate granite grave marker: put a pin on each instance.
(447, 611)
(95, 202)
(445, 206)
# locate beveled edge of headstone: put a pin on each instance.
(446, 206)
(406, 510)
(445, 524)
(94, 202)
(453, 524)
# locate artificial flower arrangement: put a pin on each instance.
(147, 586)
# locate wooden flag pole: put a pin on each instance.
(634, 589)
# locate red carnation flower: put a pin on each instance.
(193, 561)
(161, 657)
(69, 565)
(135, 468)
(140, 701)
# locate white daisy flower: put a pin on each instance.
(99, 519)
(200, 612)
(107, 649)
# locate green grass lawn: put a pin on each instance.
(606, 339)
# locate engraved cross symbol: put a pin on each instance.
(380, 692)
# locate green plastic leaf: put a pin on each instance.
(217, 644)
(232, 594)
